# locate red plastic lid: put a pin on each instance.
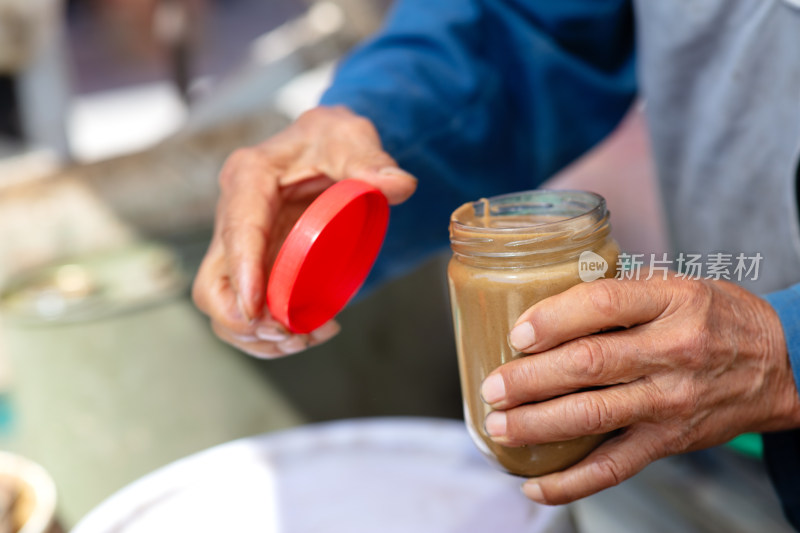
(327, 255)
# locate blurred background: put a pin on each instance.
(115, 118)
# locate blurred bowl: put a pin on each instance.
(94, 286)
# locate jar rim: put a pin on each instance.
(594, 204)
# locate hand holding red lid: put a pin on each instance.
(264, 190)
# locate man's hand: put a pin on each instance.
(264, 190)
(683, 365)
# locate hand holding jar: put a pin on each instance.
(640, 369)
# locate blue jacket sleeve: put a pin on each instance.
(782, 449)
(481, 97)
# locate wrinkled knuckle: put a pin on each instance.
(588, 359)
(694, 343)
(687, 340)
(698, 295)
(228, 175)
(685, 398)
(592, 414)
(609, 470)
(677, 440)
(655, 403)
(605, 297)
(676, 399)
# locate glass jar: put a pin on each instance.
(510, 252)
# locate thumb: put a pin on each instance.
(395, 183)
(353, 149)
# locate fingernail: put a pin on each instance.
(271, 333)
(532, 490)
(495, 424)
(293, 345)
(262, 352)
(245, 338)
(522, 336)
(326, 331)
(394, 171)
(493, 389)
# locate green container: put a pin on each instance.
(748, 444)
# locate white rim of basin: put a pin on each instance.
(443, 443)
